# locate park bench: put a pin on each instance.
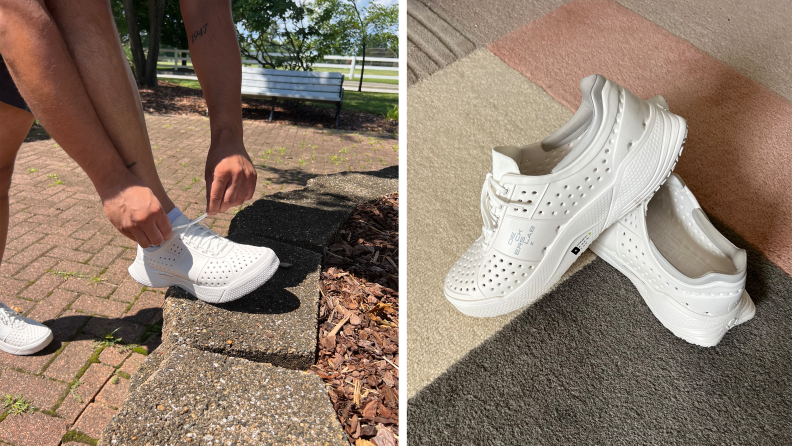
(294, 85)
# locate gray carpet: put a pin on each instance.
(589, 364)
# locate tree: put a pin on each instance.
(159, 21)
(365, 25)
(291, 34)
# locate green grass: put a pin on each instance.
(365, 78)
(189, 83)
(341, 69)
(16, 405)
(366, 102)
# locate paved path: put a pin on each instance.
(66, 265)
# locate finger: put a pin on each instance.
(126, 234)
(230, 197)
(242, 190)
(251, 186)
(153, 233)
(216, 195)
(140, 237)
(164, 225)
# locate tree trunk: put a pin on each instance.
(156, 16)
(362, 67)
(135, 44)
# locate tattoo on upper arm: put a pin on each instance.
(201, 31)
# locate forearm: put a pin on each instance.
(214, 51)
(45, 74)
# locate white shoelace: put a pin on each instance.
(202, 237)
(11, 317)
(491, 204)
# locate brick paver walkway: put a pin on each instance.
(66, 265)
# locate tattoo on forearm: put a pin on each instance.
(201, 31)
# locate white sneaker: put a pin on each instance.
(544, 203)
(691, 276)
(210, 267)
(20, 335)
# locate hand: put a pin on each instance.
(230, 177)
(134, 210)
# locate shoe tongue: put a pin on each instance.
(504, 161)
(180, 220)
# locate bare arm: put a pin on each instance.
(230, 176)
(44, 72)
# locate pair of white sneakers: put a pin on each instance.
(195, 258)
(603, 181)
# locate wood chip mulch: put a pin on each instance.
(172, 98)
(359, 324)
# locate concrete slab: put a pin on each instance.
(447, 161)
(305, 218)
(277, 323)
(358, 187)
(201, 397)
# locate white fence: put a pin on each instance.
(354, 63)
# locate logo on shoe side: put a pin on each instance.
(517, 237)
(582, 244)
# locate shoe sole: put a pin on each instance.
(698, 329)
(241, 287)
(28, 349)
(587, 225)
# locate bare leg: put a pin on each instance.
(90, 34)
(44, 72)
(16, 124)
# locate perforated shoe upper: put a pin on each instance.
(537, 195)
(670, 246)
(198, 254)
(19, 331)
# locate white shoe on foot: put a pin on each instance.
(20, 335)
(205, 264)
(544, 203)
(690, 276)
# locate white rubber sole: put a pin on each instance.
(589, 222)
(28, 349)
(240, 287)
(698, 329)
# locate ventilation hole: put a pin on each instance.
(608, 150)
(595, 169)
(629, 145)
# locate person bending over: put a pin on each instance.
(63, 63)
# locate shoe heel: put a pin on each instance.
(147, 276)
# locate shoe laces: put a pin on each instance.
(202, 237)
(11, 318)
(491, 205)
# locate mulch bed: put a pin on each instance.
(359, 324)
(171, 98)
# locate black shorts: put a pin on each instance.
(8, 90)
